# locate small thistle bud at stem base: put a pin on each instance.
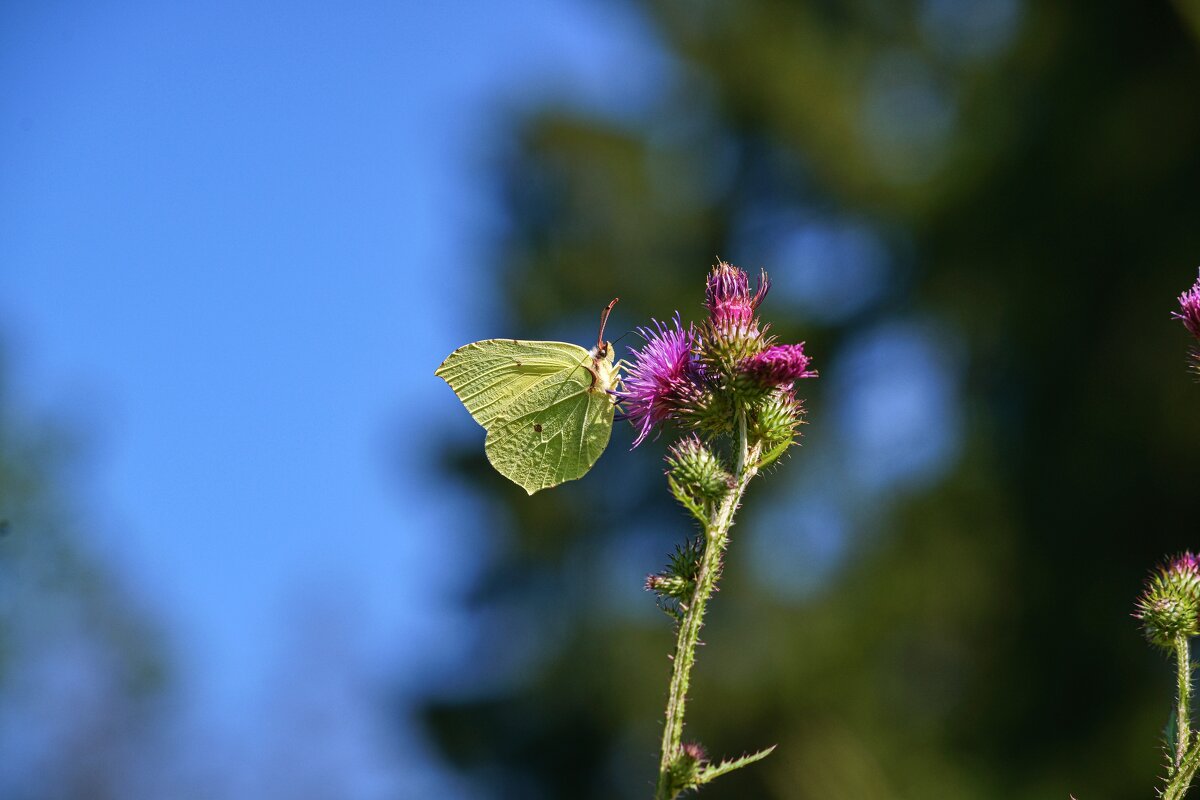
(685, 771)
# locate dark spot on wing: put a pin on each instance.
(517, 362)
(537, 427)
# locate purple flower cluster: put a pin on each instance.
(1189, 309)
(725, 364)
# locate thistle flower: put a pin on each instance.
(780, 364)
(1189, 309)
(1171, 602)
(664, 377)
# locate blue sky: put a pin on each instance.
(236, 240)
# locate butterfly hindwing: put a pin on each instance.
(554, 433)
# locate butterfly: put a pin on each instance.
(547, 407)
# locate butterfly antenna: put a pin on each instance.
(622, 336)
(604, 321)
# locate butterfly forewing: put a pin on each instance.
(553, 433)
(490, 375)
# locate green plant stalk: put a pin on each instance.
(1184, 762)
(1178, 785)
(1183, 698)
(716, 535)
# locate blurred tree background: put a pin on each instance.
(84, 678)
(978, 215)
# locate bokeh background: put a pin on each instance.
(251, 547)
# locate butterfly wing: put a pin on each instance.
(553, 433)
(490, 375)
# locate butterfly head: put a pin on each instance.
(603, 369)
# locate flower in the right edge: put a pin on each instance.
(1170, 605)
(664, 378)
(1189, 309)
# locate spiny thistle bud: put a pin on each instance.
(777, 417)
(695, 468)
(710, 411)
(671, 586)
(1171, 602)
(732, 332)
(678, 580)
(695, 751)
(685, 770)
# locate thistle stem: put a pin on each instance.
(1184, 762)
(1183, 697)
(716, 537)
(1181, 779)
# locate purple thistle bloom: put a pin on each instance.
(780, 364)
(727, 297)
(664, 375)
(1189, 309)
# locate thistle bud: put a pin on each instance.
(671, 586)
(732, 332)
(678, 580)
(1169, 606)
(685, 770)
(710, 411)
(695, 468)
(776, 419)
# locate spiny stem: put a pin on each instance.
(1184, 762)
(1184, 692)
(1178, 785)
(716, 536)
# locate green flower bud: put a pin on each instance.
(671, 586)
(677, 582)
(1170, 605)
(685, 769)
(710, 411)
(776, 419)
(696, 469)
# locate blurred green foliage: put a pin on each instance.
(1030, 171)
